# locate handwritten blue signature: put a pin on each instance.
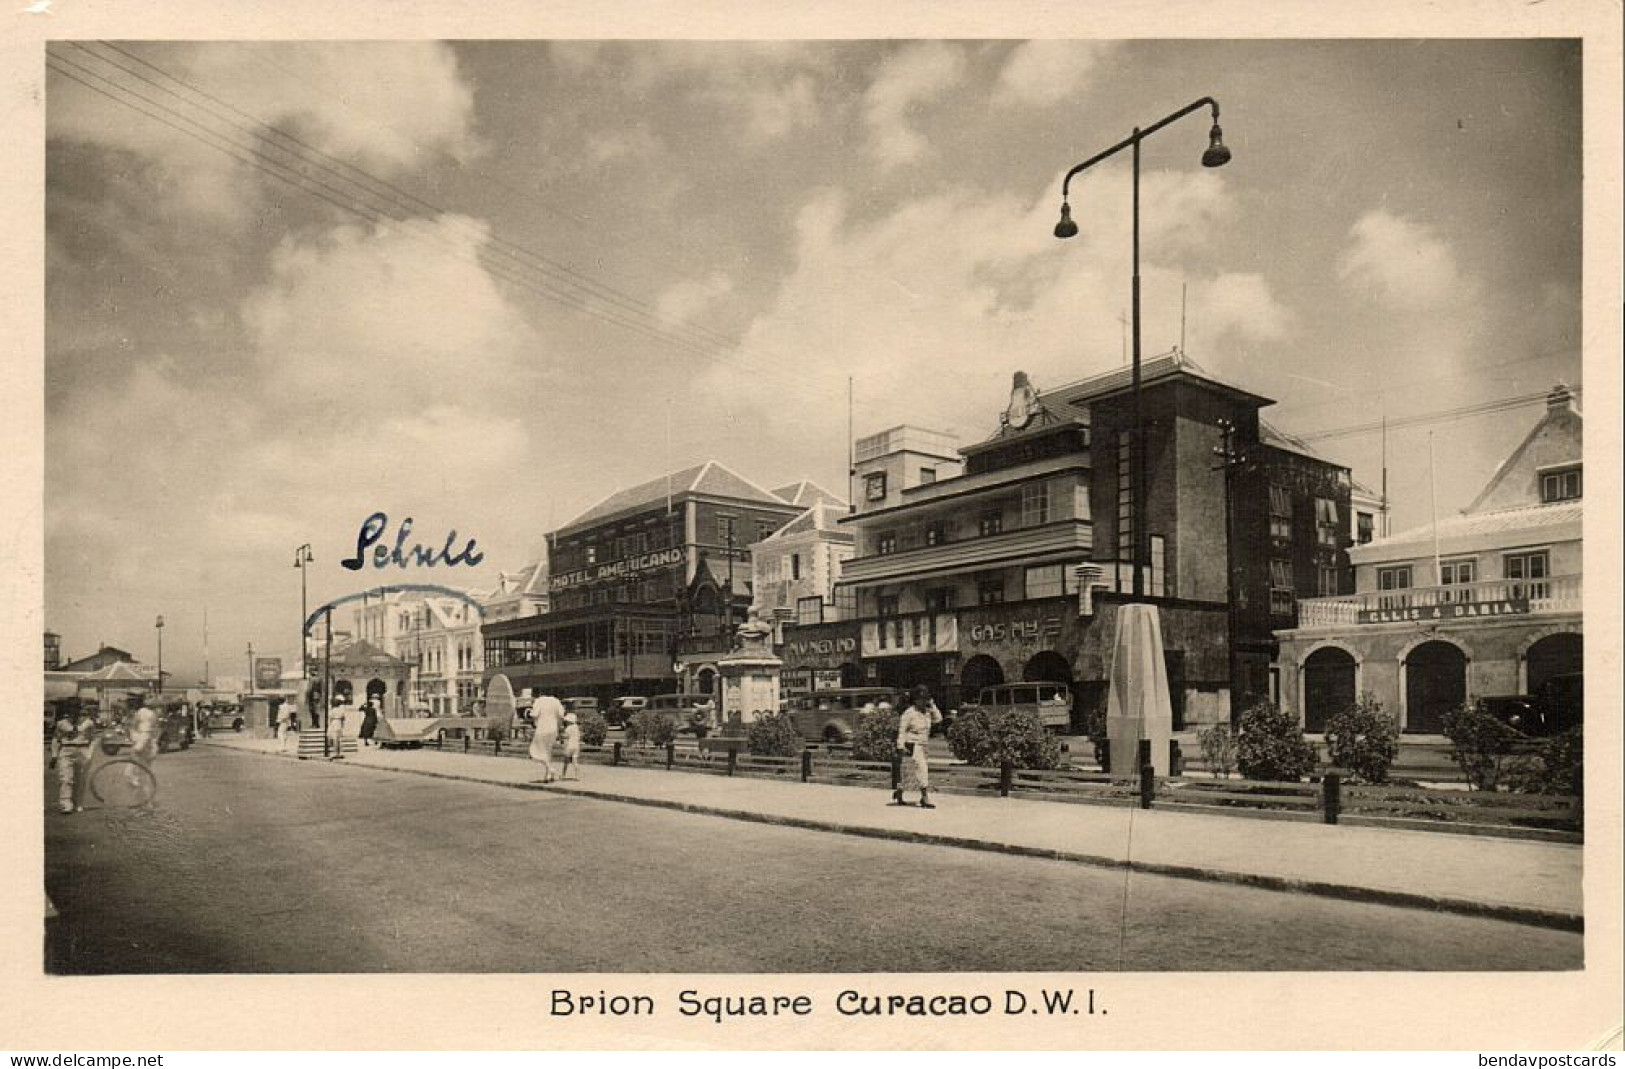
(372, 529)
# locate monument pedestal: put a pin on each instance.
(749, 677)
(1138, 704)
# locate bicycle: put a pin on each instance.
(119, 781)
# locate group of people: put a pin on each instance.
(77, 729)
(551, 722)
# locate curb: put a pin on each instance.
(1527, 915)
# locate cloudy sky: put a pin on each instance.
(483, 285)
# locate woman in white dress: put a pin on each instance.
(546, 715)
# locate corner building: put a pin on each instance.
(642, 589)
(1008, 560)
(1486, 602)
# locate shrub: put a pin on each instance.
(1218, 745)
(594, 728)
(1480, 744)
(1556, 768)
(1363, 739)
(989, 737)
(875, 736)
(1271, 745)
(774, 734)
(650, 728)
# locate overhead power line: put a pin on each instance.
(356, 191)
(1503, 404)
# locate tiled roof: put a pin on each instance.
(710, 478)
(807, 493)
(1152, 370)
(1466, 524)
(363, 654)
(821, 517)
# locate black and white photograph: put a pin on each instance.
(881, 530)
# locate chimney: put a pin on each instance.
(1560, 399)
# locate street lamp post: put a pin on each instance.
(251, 668)
(159, 626)
(1231, 458)
(301, 560)
(1217, 155)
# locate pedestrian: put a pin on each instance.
(369, 723)
(572, 747)
(145, 731)
(284, 723)
(335, 729)
(71, 740)
(546, 715)
(913, 742)
(204, 713)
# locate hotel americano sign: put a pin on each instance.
(620, 569)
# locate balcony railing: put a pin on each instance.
(1558, 593)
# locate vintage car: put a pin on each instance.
(832, 715)
(1051, 702)
(694, 714)
(623, 709)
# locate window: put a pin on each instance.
(591, 555)
(1045, 581)
(809, 611)
(874, 486)
(886, 542)
(1282, 600)
(1365, 527)
(1157, 580)
(1397, 577)
(1453, 573)
(1326, 521)
(725, 530)
(936, 533)
(1034, 505)
(886, 605)
(1125, 502)
(1326, 580)
(1532, 567)
(1280, 512)
(763, 530)
(939, 599)
(927, 476)
(1560, 485)
(990, 591)
(990, 523)
(846, 602)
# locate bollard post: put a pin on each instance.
(468, 741)
(615, 755)
(896, 770)
(806, 765)
(1148, 784)
(733, 759)
(1143, 752)
(1176, 758)
(671, 755)
(497, 743)
(327, 746)
(1007, 774)
(1103, 754)
(1331, 789)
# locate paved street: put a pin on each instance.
(256, 864)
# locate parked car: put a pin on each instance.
(694, 714)
(1051, 702)
(177, 731)
(832, 715)
(1557, 705)
(622, 709)
(228, 717)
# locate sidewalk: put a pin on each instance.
(1528, 882)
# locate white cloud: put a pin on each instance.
(1046, 72)
(383, 106)
(1403, 264)
(690, 298)
(932, 318)
(400, 317)
(910, 77)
